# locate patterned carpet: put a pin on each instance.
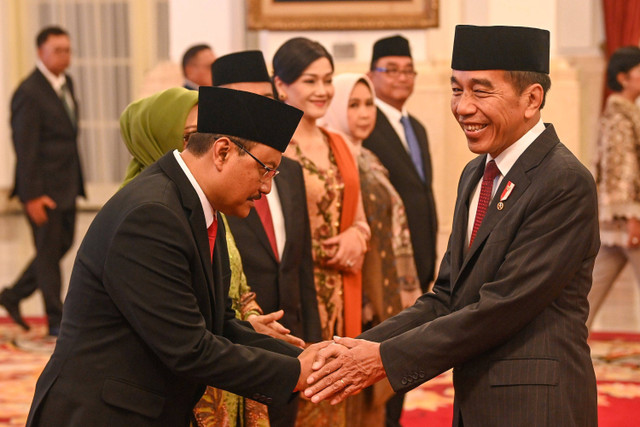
(616, 359)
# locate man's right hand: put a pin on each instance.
(37, 209)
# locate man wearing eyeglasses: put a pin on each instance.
(147, 322)
(400, 142)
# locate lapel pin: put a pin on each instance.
(505, 194)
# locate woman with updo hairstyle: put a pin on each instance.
(303, 72)
(618, 177)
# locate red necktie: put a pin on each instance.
(212, 231)
(262, 207)
(490, 173)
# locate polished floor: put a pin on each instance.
(620, 312)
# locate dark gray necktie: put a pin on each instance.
(414, 147)
(65, 97)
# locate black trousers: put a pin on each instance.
(52, 240)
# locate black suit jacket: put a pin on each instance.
(147, 322)
(287, 284)
(416, 195)
(509, 315)
(44, 138)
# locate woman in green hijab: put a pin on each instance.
(151, 127)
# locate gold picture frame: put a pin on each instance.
(292, 15)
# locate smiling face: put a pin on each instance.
(490, 112)
(312, 91)
(361, 112)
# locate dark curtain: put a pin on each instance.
(622, 26)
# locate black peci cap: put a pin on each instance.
(239, 67)
(247, 115)
(500, 48)
(390, 46)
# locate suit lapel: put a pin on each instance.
(288, 195)
(193, 209)
(461, 215)
(390, 135)
(518, 175)
(50, 93)
(255, 224)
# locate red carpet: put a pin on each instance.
(616, 358)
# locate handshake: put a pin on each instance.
(336, 369)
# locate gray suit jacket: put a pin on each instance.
(509, 315)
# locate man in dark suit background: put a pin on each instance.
(400, 142)
(147, 321)
(274, 240)
(509, 306)
(48, 176)
(196, 66)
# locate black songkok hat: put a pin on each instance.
(239, 67)
(390, 46)
(246, 115)
(500, 48)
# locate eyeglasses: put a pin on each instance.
(395, 72)
(269, 172)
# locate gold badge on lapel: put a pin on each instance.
(505, 194)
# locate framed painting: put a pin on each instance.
(292, 15)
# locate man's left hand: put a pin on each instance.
(348, 373)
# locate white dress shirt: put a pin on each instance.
(504, 162)
(209, 212)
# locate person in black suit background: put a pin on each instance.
(147, 321)
(48, 175)
(196, 66)
(400, 142)
(278, 262)
(406, 156)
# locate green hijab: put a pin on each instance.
(153, 126)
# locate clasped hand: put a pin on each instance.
(339, 368)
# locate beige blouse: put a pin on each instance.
(617, 168)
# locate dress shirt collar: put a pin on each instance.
(510, 155)
(393, 114)
(55, 81)
(209, 212)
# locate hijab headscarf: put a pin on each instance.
(153, 126)
(336, 115)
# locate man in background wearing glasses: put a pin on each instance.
(400, 141)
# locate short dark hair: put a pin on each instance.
(523, 79)
(44, 34)
(192, 52)
(295, 55)
(200, 143)
(621, 61)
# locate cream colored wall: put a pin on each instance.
(573, 105)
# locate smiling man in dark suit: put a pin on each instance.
(509, 306)
(48, 177)
(274, 240)
(147, 320)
